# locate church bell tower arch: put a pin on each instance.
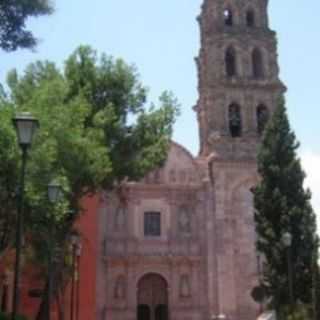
(237, 66)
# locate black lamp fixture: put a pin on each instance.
(287, 239)
(54, 196)
(54, 191)
(287, 242)
(26, 126)
(75, 242)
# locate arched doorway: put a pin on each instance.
(152, 298)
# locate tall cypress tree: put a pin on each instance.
(283, 206)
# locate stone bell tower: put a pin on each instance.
(238, 90)
(238, 77)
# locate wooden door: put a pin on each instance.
(152, 296)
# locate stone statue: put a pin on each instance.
(184, 221)
(119, 290)
(120, 218)
(185, 288)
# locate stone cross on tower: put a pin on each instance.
(238, 76)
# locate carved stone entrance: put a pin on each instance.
(152, 298)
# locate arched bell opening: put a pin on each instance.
(250, 18)
(257, 64)
(228, 17)
(230, 62)
(235, 121)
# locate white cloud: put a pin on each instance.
(311, 164)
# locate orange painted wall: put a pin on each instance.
(87, 225)
(30, 279)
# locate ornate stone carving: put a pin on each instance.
(184, 220)
(214, 136)
(185, 286)
(120, 218)
(172, 176)
(120, 288)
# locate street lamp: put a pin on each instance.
(25, 126)
(54, 191)
(287, 242)
(78, 255)
(314, 271)
(75, 240)
(54, 195)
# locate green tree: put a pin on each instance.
(96, 131)
(283, 205)
(13, 17)
(8, 317)
(8, 176)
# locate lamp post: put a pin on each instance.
(78, 255)
(25, 126)
(54, 195)
(314, 271)
(287, 241)
(74, 242)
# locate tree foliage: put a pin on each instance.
(13, 17)
(8, 176)
(283, 205)
(95, 131)
(8, 317)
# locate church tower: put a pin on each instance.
(239, 88)
(238, 77)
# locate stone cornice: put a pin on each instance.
(116, 261)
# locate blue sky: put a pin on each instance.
(162, 38)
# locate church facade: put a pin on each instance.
(180, 244)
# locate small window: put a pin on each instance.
(257, 64)
(228, 17)
(152, 224)
(262, 118)
(250, 19)
(230, 62)
(235, 122)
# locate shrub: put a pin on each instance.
(4, 316)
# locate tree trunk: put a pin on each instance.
(41, 315)
(60, 304)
